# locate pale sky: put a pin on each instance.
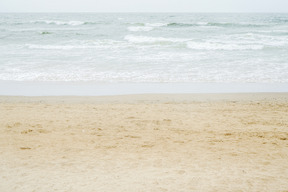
(143, 5)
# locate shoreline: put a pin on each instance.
(150, 98)
(17, 88)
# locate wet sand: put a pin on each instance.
(191, 142)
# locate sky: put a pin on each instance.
(143, 5)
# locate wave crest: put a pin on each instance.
(145, 26)
(215, 24)
(139, 28)
(152, 40)
(54, 22)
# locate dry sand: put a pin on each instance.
(211, 142)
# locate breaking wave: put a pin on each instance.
(145, 26)
(195, 24)
(221, 46)
(52, 22)
(152, 40)
(219, 24)
(140, 28)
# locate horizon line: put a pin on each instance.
(140, 12)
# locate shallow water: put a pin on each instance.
(146, 47)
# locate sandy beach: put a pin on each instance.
(191, 142)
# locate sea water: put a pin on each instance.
(144, 47)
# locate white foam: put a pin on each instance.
(133, 76)
(59, 47)
(96, 44)
(221, 46)
(63, 47)
(145, 26)
(256, 39)
(146, 39)
(73, 23)
(140, 28)
(156, 24)
(202, 23)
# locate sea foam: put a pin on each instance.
(55, 22)
(151, 40)
(140, 28)
(221, 46)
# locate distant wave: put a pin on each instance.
(51, 22)
(181, 24)
(149, 24)
(197, 24)
(218, 24)
(223, 24)
(144, 26)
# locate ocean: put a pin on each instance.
(189, 48)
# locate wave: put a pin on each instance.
(144, 26)
(13, 23)
(49, 22)
(152, 40)
(129, 41)
(216, 24)
(156, 24)
(57, 47)
(182, 24)
(149, 24)
(56, 22)
(224, 24)
(52, 22)
(222, 46)
(138, 41)
(102, 44)
(200, 23)
(139, 28)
